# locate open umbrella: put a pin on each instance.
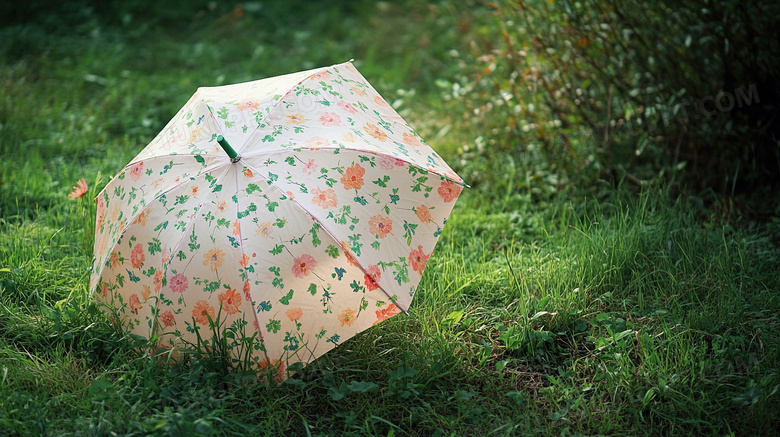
(298, 209)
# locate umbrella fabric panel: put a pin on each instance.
(192, 131)
(308, 294)
(337, 107)
(386, 213)
(239, 109)
(144, 232)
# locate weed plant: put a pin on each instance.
(547, 308)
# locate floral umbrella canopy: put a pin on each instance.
(300, 208)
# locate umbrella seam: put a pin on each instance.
(243, 254)
(327, 231)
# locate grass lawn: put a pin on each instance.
(597, 310)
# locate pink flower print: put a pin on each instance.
(324, 199)
(248, 105)
(371, 277)
(137, 256)
(303, 265)
(316, 143)
(321, 76)
(310, 168)
(449, 190)
(247, 287)
(346, 106)
(387, 162)
(418, 259)
(179, 283)
(136, 171)
(101, 211)
(329, 119)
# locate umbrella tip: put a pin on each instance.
(234, 157)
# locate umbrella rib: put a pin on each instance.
(366, 151)
(327, 231)
(243, 254)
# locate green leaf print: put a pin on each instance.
(313, 289)
(332, 251)
(274, 326)
(285, 300)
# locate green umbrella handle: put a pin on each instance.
(234, 157)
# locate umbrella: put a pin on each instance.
(297, 210)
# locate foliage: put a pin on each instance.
(629, 89)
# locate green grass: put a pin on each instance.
(566, 311)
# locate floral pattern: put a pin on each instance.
(322, 229)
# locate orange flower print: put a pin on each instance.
(385, 313)
(221, 206)
(146, 293)
(194, 191)
(179, 283)
(264, 229)
(423, 213)
(236, 228)
(274, 369)
(353, 177)
(202, 312)
(167, 318)
(346, 106)
(380, 225)
(158, 276)
(137, 256)
(316, 143)
(321, 76)
(114, 260)
(79, 190)
(303, 265)
(325, 199)
(141, 219)
(348, 137)
(374, 131)
(214, 259)
(247, 287)
(357, 91)
(134, 303)
(371, 278)
(248, 105)
(195, 135)
(295, 118)
(381, 102)
(136, 171)
(411, 139)
(329, 119)
(294, 314)
(244, 260)
(347, 317)
(449, 190)
(248, 173)
(230, 300)
(104, 289)
(418, 259)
